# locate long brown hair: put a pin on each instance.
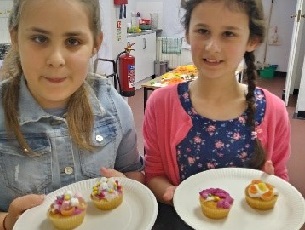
(79, 117)
(254, 9)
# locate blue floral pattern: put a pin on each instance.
(213, 144)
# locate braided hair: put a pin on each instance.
(254, 9)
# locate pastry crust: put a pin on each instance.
(66, 222)
(258, 203)
(215, 203)
(66, 215)
(107, 194)
(210, 210)
(104, 204)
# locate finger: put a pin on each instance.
(110, 173)
(19, 205)
(169, 193)
(268, 167)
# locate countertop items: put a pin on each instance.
(142, 33)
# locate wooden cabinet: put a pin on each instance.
(145, 54)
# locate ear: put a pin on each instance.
(14, 38)
(187, 37)
(98, 42)
(253, 43)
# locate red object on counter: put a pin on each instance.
(120, 2)
(146, 21)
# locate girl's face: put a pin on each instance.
(219, 37)
(55, 44)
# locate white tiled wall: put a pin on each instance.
(5, 7)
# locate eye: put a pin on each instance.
(72, 41)
(229, 34)
(202, 31)
(39, 39)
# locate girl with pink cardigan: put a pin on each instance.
(215, 121)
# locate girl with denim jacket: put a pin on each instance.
(59, 124)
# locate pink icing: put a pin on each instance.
(60, 203)
(226, 200)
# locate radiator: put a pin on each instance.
(174, 50)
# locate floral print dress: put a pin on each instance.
(213, 144)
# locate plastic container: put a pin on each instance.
(154, 21)
(268, 72)
(135, 20)
(161, 67)
(145, 27)
(145, 21)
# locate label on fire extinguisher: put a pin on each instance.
(131, 76)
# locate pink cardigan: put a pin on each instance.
(166, 123)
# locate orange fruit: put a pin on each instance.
(256, 181)
(252, 189)
(67, 212)
(267, 196)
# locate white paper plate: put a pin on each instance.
(288, 212)
(138, 211)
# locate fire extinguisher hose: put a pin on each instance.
(118, 77)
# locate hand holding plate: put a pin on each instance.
(268, 167)
(19, 205)
(169, 194)
(111, 173)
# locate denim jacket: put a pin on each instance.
(59, 161)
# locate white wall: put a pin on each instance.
(111, 46)
(105, 51)
(5, 6)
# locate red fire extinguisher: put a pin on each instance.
(126, 66)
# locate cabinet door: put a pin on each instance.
(145, 55)
(149, 54)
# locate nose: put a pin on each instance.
(56, 58)
(213, 45)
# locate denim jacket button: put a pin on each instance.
(68, 170)
(99, 138)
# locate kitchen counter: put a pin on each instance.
(143, 32)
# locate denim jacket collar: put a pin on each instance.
(28, 104)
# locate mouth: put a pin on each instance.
(212, 61)
(55, 79)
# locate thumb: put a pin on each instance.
(110, 173)
(169, 194)
(19, 205)
(268, 167)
